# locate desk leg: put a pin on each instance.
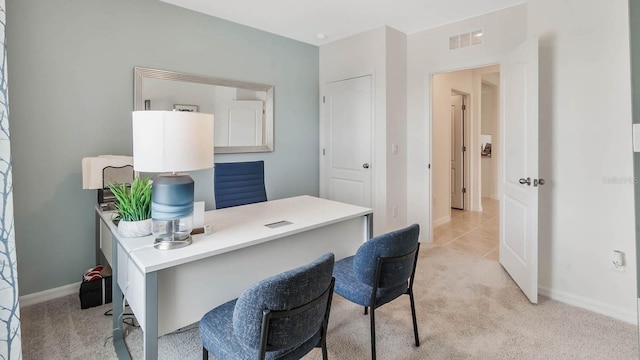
(97, 236)
(118, 336)
(151, 315)
(369, 227)
(101, 259)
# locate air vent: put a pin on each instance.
(466, 39)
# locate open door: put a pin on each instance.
(457, 150)
(519, 175)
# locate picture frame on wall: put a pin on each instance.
(185, 107)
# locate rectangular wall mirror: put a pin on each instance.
(243, 112)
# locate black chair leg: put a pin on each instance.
(205, 354)
(366, 310)
(325, 356)
(415, 322)
(373, 333)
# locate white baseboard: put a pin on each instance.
(441, 221)
(604, 309)
(42, 296)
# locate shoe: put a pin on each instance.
(93, 273)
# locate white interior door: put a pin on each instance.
(245, 122)
(347, 132)
(519, 203)
(457, 151)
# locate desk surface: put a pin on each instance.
(239, 227)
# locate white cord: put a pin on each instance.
(138, 249)
(124, 292)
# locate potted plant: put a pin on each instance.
(133, 206)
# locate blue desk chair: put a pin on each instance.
(239, 183)
(381, 271)
(281, 317)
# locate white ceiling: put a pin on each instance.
(302, 20)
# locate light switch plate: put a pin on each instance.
(636, 137)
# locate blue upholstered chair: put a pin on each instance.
(239, 183)
(381, 270)
(281, 317)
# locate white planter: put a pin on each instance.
(135, 228)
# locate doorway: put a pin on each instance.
(465, 176)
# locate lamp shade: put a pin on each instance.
(172, 141)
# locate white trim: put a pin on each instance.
(46, 295)
(441, 221)
(588, 304)
(638, 318)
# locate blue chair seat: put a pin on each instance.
(216, 334)
(348, 286)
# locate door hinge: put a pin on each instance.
(323, 100)
(464, 107)
(323, 153)
(464, 148)
(464, 190)
(429, 166)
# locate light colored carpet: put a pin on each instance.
(468, 308)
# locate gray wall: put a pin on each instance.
(71, 94)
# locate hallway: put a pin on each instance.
(475, 233)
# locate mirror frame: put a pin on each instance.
(141, 73)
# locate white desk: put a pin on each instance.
(170, 289)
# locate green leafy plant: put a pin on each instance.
(134, 203)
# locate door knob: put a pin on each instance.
(365, 165)
(537, 182)
(525, 181)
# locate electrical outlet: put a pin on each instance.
(618, 268)
(394, 211)
(616, 261)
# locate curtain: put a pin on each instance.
(10, 344)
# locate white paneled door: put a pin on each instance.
(245, 123)
(345, 158)
(520, 183)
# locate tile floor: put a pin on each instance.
(473, 232)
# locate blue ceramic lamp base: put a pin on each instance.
(172, 211)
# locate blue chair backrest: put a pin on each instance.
(239, 183)
(285, 291)
(393, 244)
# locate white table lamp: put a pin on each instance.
(170, 142)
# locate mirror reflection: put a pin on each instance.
(243, 112)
